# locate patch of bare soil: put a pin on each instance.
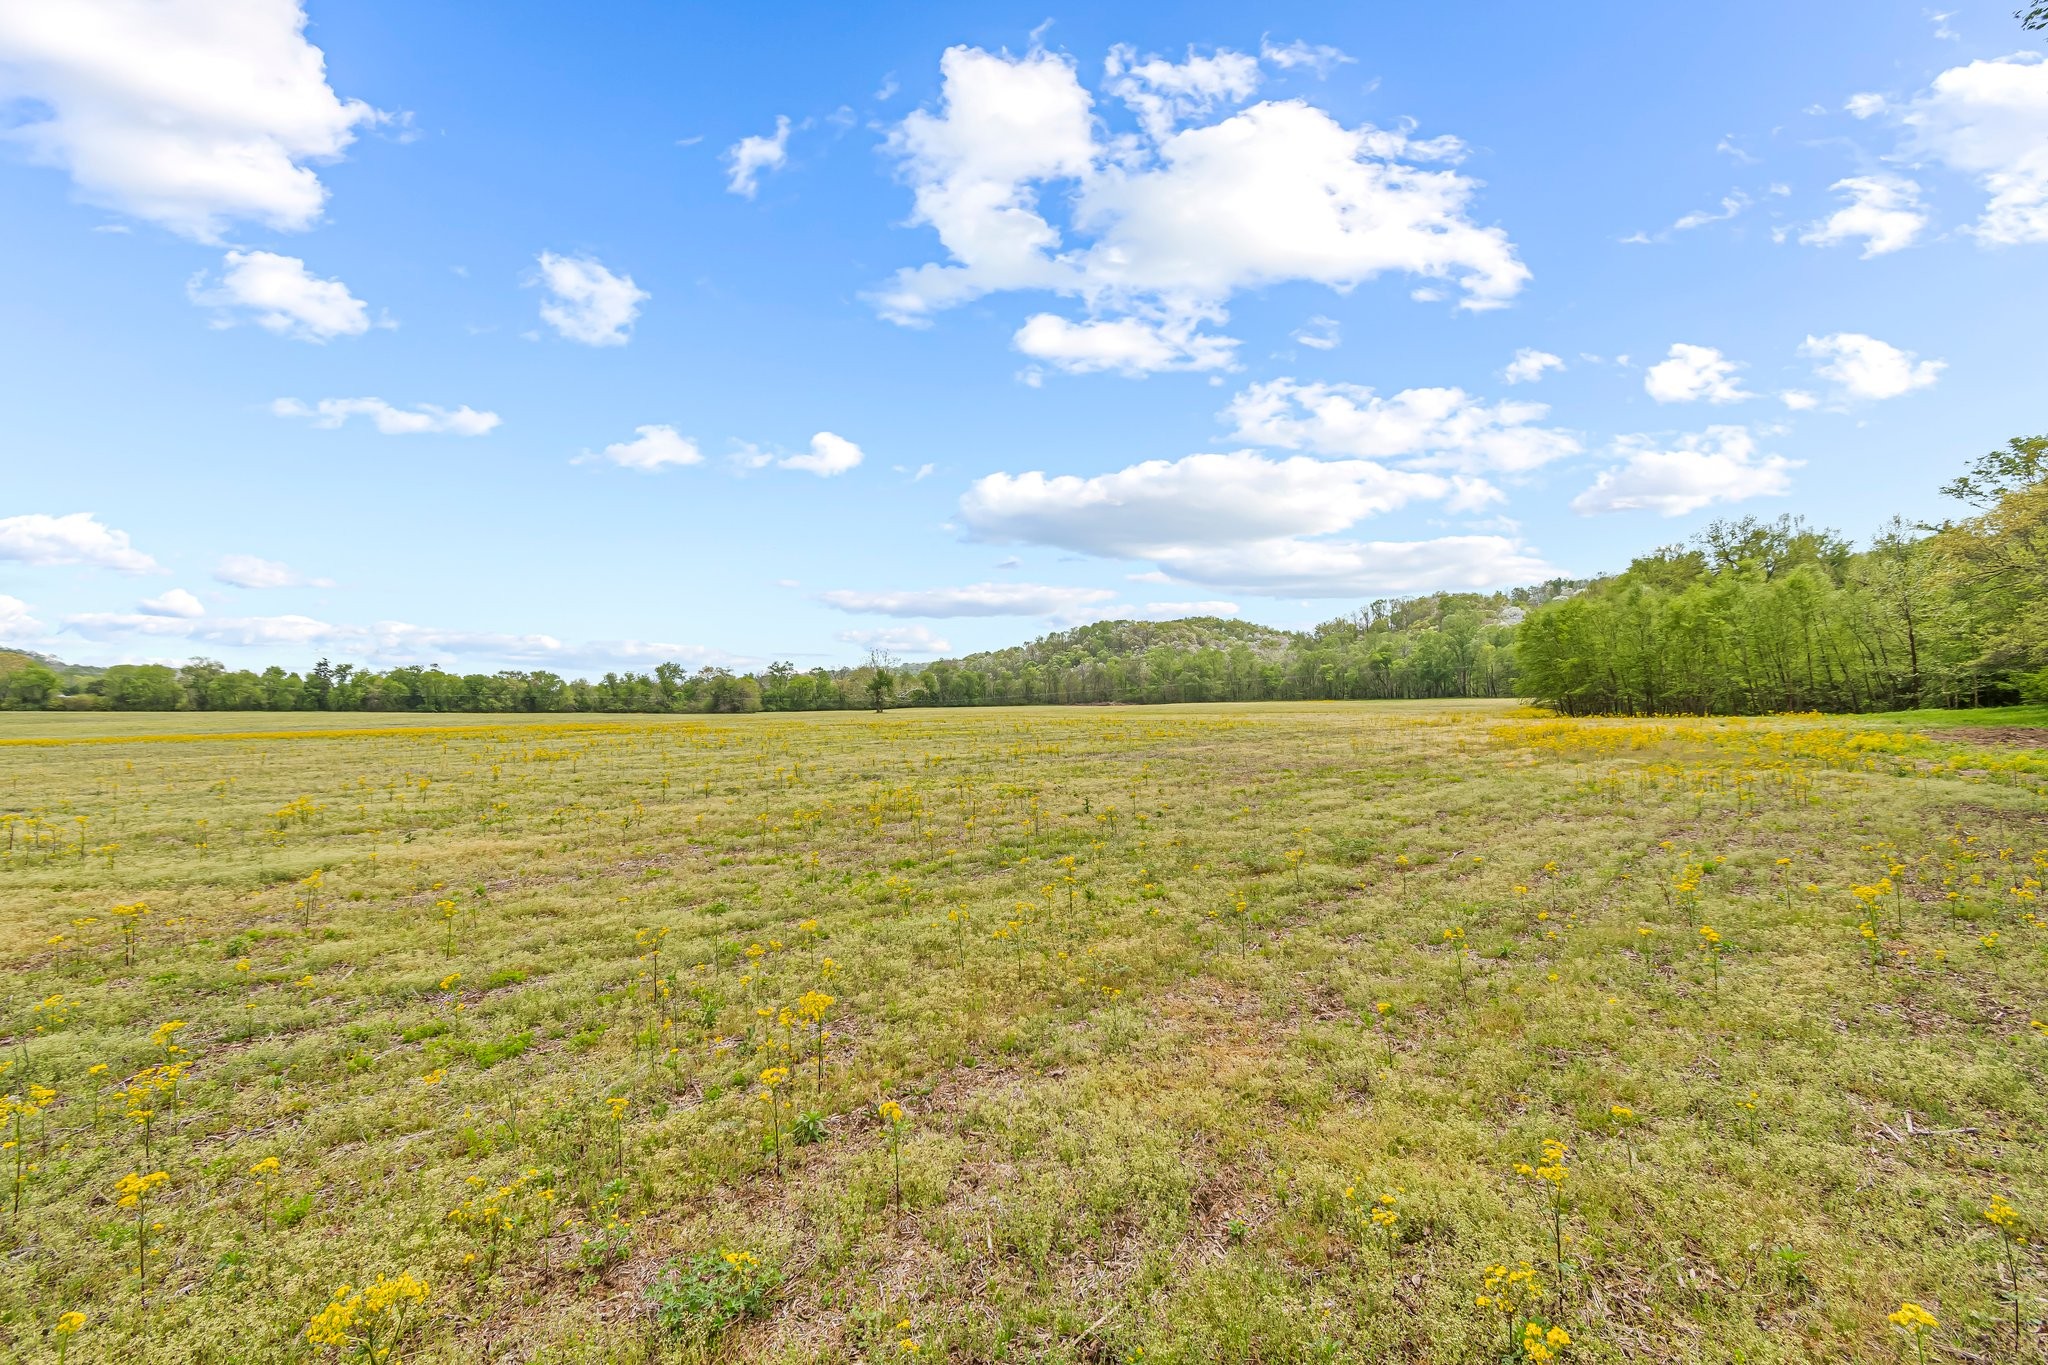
(2024, 736)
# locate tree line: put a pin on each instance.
(1749, 616)
(1754, 616)
(1441, 645)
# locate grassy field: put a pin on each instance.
(1142, 1034)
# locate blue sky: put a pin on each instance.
(512, 337)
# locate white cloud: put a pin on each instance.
(1172, 611)
(1883, 212)
(1865, 105)
(249, 571)
(1436, 427)
(331, 413)
(177, 602)
(1126, 345)
(1528, 366)
(898, 640)
(1320, 58)
(1169, 223)
(1728, 146)
(1989, 119)
(189, 113)
(17, 619)
(1692, 374)
(652, 449)
(976, 599)
(280, 295)
(1162, 508)
(1163, 94)
(1799, 400)
(1006, 125)
(1732, 203)
(1320, 333)
(589, 303)
(750, 156)
(78, 538)
(1249, 523)
(1719, 465)
(386, 642)
(1369, 568)
(829, 455)
(1865, 367)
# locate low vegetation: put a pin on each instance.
(1270, 1033)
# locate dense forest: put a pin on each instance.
(1749, 616)
(1756, 617)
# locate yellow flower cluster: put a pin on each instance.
(351, 1318)
(1551, 1168)
(133, 1189)
(1539, 1344)
(1503, 1287)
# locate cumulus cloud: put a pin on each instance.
(747, 159)
(250, 571)
(1163, 94)
(1989, 119)
(976, 599)
(78, 538)
(1529, 365)
(177, 602)
(1366, 568)
(1162, 507)
(421, 418)
(17, 619)
(1694, 374)
(1173, 611)
(1672, 478)
(1249, 522)
(586, 302)
(1436, 427)
(1883, 213)
(1864, 367)
(279, 295)
(187, 113)
(1166, 224)
(1126, 345)
(829, 455)
(898, 640)
(652, 449)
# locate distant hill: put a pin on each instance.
(1101, 641)
(12, 661)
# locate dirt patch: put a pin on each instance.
(2024, 736)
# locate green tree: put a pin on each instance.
(28, 688)
(142, 687)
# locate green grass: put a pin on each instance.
(2029, 716)
(1200, 988)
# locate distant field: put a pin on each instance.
(1172, 999)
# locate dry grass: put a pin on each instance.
(1131, 1122)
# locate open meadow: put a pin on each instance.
(1295, 1032)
